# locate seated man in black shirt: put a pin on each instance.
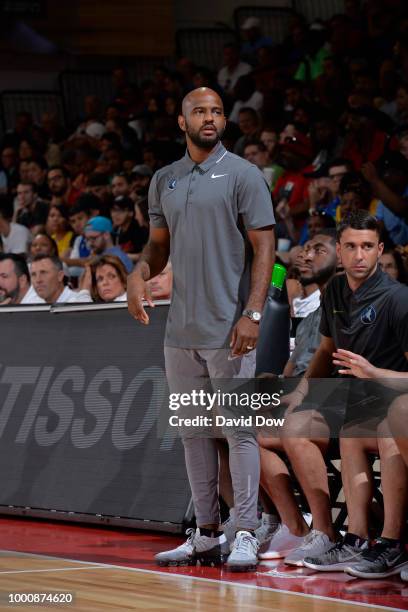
(364, 329)
(127, 232)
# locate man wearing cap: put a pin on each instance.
(232, 68)
(209, 210)
(98, 234)
(129, 236)
(140, 178)
(251, 29)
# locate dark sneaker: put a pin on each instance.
(338, 557)
(197, 547)
(380, 561)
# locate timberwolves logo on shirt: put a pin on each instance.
(172, 183)
(368, 315)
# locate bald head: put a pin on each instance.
(202, 118)
(199, 95)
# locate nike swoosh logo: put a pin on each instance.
(218, 175)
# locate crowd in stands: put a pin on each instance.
(324, 115)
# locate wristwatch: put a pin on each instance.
(253, 315)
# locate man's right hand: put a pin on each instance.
(137, 289)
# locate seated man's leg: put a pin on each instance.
(398, 422)
(306, 455)
(388, 556)
(357, 478)
(276, 481)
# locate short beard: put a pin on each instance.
(203, 143)
(320, 278)
(12, 295)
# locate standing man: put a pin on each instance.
(199, 208)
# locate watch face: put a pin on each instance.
(256, 316)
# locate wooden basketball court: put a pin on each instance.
(112, 569)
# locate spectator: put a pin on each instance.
(120, 185)
(59, 229)
(43, 244)
(248, 121)
(37, 173)
(24, 171)
(14, 237)
(9, 170)
(389, 185)
(161, 285)
(257, 153)
(232, 68)
(98, 186)
(324, 195)
(252, 34)
(318, 221)
(78, 256)
(291, 187)
(98, 235)
(140, 180)
(108, 279)
(355, 194)
(47, 276)
(29, 210)
(128, 234)
(326, 140)
(26, 150)
(60, 186)
(246, 96)
(21, 130)
(311, 65)
(364, 141)
(15, 282)
(391, 263)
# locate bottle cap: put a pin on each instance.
(278, 276)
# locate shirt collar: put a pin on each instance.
(366, 286)
(216, 156)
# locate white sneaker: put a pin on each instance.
(243, 557)
(316, 543)
(280, 545)
(197, 547)
(404, 574)
(269, 524)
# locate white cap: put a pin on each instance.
(95, 130)
(251, 22)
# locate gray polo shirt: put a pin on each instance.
(206, 208)
(307, 342)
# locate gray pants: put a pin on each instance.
(201, 452)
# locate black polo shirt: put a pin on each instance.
(371, 322)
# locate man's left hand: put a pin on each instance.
(244, 336)
(354, 365)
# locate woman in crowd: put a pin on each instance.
(43, 244)
(107, 280)
(58, 227)
(391, 263)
